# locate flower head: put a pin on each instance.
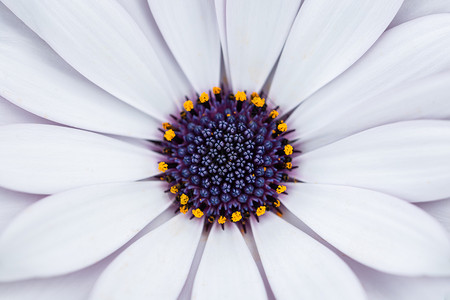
(319, 114)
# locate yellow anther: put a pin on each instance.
(216, 90)
(236, 216)
(254, 94)
(281, 188)
(184, 209)
(288, 149)
(279, 214)
(258, 101)
(277, 203)
(166, 126)
(173, 189)
(265, 168)
(169, 135)
(228, 115)
(197, 213)
(162, 166)
(188, 105)
(204, 97)
(240, 96)
(282, 127)
(273, 114)
(221, 220)
(288, 165)
(184, 199)
(260, 211)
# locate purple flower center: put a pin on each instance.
(227, 157)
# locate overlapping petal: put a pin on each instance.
(409, 160)
(326, 38)
(414, 50)
(12, 114)
(154, 267)
(412, 9)
(35, 78)
(375, 229)
(102, 42)
(190, 30)
(425, 98)
(71, 230)
(298, 267)
(256, 32)
(45, 159)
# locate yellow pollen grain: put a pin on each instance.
(169, 135)
(236, 216)
(197, 213)
(273, 114)
(277, 203)
(162, 166)
(173, 189)
(260, 211)
(279, 214)
(221, 220)
(184, 199)
(188, 105)
(288, 149)
(216, 90)
(204, 97)
(281, 189)
(282, 127)
(184, 209)
(166, 126)
(258, 102)
(288, 165)
(254, 94)
(240, 96)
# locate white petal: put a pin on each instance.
(12, 114)
(256, 32)
(35, 78)
(426, 98)
(409, 160)
(375, 229)
(154, 267)
(74, 286)
(221, 8)
(381, 286)
(74, 229)
(12, 203)
(45, 159)
(408, 52)
(190, 30)
(299, 267)
(139, 10)
(412, 9)
(227, 268)
(440, 210)
(326, 38)
(101, 41)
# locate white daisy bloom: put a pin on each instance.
(304, 148)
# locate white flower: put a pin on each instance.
(371, 120)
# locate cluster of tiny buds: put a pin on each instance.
(227, 157)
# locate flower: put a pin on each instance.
(368, 106)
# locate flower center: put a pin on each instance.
(226, 157)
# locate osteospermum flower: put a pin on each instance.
(298, 170)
